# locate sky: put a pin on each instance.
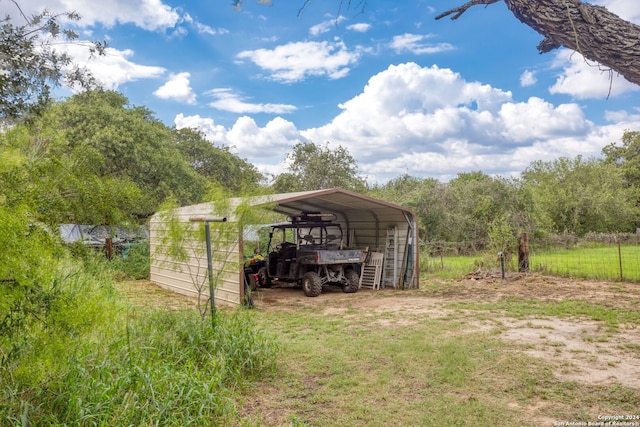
(402, 92)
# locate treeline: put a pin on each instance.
(95, 159)
(565, 196)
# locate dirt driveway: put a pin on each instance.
(584, 350)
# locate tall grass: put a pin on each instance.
(99, 361)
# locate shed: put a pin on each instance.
(369, 223)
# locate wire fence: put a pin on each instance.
(611, 257)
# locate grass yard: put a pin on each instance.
(596, 262)
(603, 263)
(528, 351)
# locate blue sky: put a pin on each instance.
(404, 93)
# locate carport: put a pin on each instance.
(379, 226)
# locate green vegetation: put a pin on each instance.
(92, 359)
(601, 262)
(73, 352)
(348, 371)
(448, 267)
(133, 263)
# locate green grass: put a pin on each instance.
(600, 263)
(343, 370)
(359, 367)
(448, 267)
(97, 360)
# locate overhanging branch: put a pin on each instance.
(596, 33)
(458, 11)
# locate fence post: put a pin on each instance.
(620, 259)
(523, 253)
(108, 247)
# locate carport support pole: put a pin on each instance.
(207, 236)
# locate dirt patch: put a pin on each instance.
(583, 350)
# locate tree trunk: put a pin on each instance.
(593, 31)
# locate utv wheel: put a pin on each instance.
(263, 278)
(353, 281)
(311, 284)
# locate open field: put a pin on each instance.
(608, 262)
(529, 351)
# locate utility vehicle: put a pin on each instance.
(309, 250)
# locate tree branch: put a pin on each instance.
(458, 11)
(596, 33)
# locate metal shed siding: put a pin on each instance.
(363, 218)
(180, 276)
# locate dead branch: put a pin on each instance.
(458, 11)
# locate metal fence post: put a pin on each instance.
(207, 236)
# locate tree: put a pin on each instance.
(593, 31)
(580, 196)
(425, 196)
(477, 202)
(216, 164)
(312, 167)
(101, 132)
(94, 160)
(626, 157)
(31, 67)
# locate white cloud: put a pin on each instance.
(429, 121)
(622, 116)
(415, 43)
(295, 61)
(265, 147)
(214, 133)
(528, 78)
(273, 141)
(112, 69)
(177, 88)
(150, 15)
(626, 9)
(200, 27)
(585, 79)
(359, 27)
(537, 119)
(227, 100)
(326, 26)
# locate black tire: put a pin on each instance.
(311, 284)
(263, 278)
(353, 281)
